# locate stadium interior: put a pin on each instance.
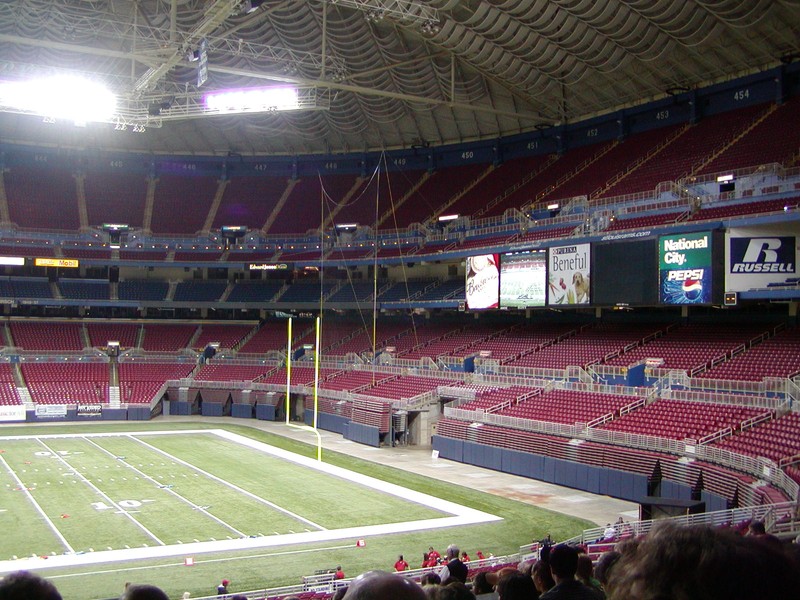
(641, 339)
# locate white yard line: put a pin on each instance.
(100, 492)
(459, 515)
(144, 475)
(232, 486)
(38, 508)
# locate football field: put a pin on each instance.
(93, 508)
(90, 498)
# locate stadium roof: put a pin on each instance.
(378, 74)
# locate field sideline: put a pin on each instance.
(338, 502)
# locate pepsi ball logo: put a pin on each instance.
(692, 289)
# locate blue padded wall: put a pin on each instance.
(265, 412)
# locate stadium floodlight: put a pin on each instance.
(249, 100)
(725, 178)
(60, 97)
(446, 218)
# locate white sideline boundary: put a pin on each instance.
(459, 515)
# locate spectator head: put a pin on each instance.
(703, 562)
(480, 585)
(516, 586)
(756, 528)
(455, 590)
(23, 585)
(585, 568)
(143, 592)
(430, 578)
(378, 585)
(604, 565)
(563, 562)
(452, 552)
(542, 578)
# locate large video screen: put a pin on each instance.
(685, 267)
(568, 275)
(625, 273)
(523, 279)
(483, 281)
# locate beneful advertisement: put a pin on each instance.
(483, 282)
(569, 276)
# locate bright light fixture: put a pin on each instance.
(253, 100)
(60, 97)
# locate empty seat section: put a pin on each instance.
(167, 338)
(566, 406)
(140, 381)
(49, 337)
(228, 336)
(84, 289)
(249, 200)
(692, 346)
(773, 140)
(8, 386)
(677, 419)
(487, 198)
(255, 290)
(30, 287)
(181, 203)
(272, 335)
(117, 196)
(220, 371)
(677, 158)
(143, 289)
(303, 210)
(775, 439)
(426, 200)
(778, 356)
(101, 333)
(66, 383)
(200, 291)
(43, 197)
(388, 187)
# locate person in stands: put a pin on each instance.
(563, 566)
(380, 585)
(454, 570)
(23, 585)
(222, 588)
(688, 562)
(401, 564)
(143, 592)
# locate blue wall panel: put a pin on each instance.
(335, 423)
(242, 411)
(139, 413)
(265, 412)
(212, 409)
(363, 434)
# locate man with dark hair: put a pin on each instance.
(380, 585)
(23, 585)
(563, 566)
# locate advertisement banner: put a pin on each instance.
(685, 268)
(49, 411)
(89, 410)
(523, 279)
(483, 281)
(568, 275)
(760, 258)
(12, 413)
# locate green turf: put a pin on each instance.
(263, 568)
